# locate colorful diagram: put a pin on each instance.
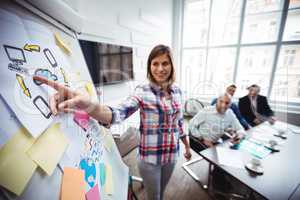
(88, 166)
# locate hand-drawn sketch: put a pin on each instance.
(50, 57)
(14, 54)
(32, 47)
(46, 74)
(21, 82)
(42, 106)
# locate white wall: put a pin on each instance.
(137, 23)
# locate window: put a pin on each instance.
(294, 4)
(192, 70)
(220, 66)
(261, 28)
(262, 6)
(292, 27)
(242, 42)
(287, 76)
(196, 23)
(255, 65)
(262, 19)
(225, 22)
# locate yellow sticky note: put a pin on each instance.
(49, 148)
(89, 89)
(108, 142)
(16, 167)
(61, 44)
(108, 187)
(72, 187)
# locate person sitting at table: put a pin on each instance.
(208, 126)
(230, 90)
(255, 108)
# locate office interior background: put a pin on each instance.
(215, 43)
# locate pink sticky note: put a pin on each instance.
(93, 193)
(82, 119)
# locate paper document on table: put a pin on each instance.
(229, 157)
(295, 129)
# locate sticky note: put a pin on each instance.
(59, 42)
(93, 193)
(102, 173)
(16, 167)
(108, 187)
(72, 187)
(108, 142)
(82, 119)
(89, 89)
(48, 148)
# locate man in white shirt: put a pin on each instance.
(211, 123)
(208, 126)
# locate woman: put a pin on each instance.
(161, 116)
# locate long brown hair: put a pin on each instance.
(158, 51)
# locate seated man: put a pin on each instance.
(255, 108)
(210, 123)
(230, 90)
(209, 126)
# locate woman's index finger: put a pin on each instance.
(53, 84)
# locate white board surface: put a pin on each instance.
(24, 103)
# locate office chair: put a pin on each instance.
(192, 107)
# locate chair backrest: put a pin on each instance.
(128, 141)
(192, 107)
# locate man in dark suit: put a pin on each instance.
(255, 108)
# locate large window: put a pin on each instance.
(242, 42)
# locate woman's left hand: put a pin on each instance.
(187, 153)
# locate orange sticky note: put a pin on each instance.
(72, 187)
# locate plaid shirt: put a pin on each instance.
(161, 123)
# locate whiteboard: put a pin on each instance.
(88, 149)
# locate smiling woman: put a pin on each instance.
(160, 67)
(161, 113)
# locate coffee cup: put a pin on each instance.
(256, 162)
(273, 143)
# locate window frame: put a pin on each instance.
(290, 106)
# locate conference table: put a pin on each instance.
(281, 177)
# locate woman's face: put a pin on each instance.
(161, 69)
